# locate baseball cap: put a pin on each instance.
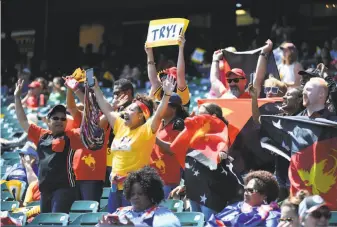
(311, 72)
(34, 84)
(175, 99)
(310, 204)
(57, 108)
(287, 46)
(29, 149)
(236, 71)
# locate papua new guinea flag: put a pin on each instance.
(312, 145)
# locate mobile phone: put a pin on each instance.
(114, 219)
(90, 77)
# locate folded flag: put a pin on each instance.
(312, 147)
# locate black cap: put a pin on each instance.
(175, 99)
(57, 109)
(311, 72)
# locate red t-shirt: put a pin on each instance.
(245, 95)
(32, 102)
(87, 164)
(167, 166)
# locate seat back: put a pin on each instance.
(34, 203)
(51, 219)
(333, 219)
(89, 219)
(173, 204)
(9, 205)
(7, 196)
(84, 206)
(105, 193)
(21, 216)
(191, 218)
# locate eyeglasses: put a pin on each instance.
(273, 90)
(317, 214)
(235, 80)
(286, 219)
(59, 118)
(250, 190)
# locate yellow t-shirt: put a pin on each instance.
(184, 94)
(131, 149)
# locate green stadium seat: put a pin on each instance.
(84, 206)
(103, 203)
(104, 198)
(105, 193)
(173, 205)
(74, 216)
(9, 205)
(333, 219)
(4, 186)
(34, 203)
(51, 219)
(88, 219)
(7, 196)
(191, 218)
(21, 216)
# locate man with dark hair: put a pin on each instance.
(123, 87)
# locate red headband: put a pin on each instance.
(144, 109)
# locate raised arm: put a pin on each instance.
(168, 87)
(165, 146)
(181, 82)
(20, 113)
(261, 67)
(72, 84)
(255, 107)
(152, 71)
(104, 105)
(71, 105)
(217, 85)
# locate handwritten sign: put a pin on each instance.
(165, 32)
(198, 55)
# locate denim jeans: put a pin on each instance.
(57, 201)
(196, 207)
(89, 189)
(116, 200)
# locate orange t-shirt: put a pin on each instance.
(167, 166)
(245, 95)
(87, 164)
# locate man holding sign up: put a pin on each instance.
(163, 33)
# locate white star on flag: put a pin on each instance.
(196, 173)
(277, 124)
(223, 171)
(203, 199)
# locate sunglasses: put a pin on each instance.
(286, 220)
(250, 190)
(58, 118)
(235, 80)
(273, 90)
(317, 214)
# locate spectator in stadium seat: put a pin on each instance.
(162, 158)
(178, 73)
(135, 136)
(258, 207)
(53, 146)
(144, 190)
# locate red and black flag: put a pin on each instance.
(243, 132)
(312, 145)
(207, 178)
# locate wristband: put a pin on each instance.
(151, 63)
(264, 55)
(167, 94)
(216, 61)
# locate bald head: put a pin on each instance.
(315, 92)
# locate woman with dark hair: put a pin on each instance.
(162, 158)
(258, 207)
(135, 136)
(144, 190)
(201, 150)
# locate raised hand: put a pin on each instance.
(148, 50)
(169, 85)
(120, 101)
(217, 55)
(18, 88)
(70, 82)
(181, 40)
(268, 47)
(252, 91)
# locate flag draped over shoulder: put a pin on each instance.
(312, 145)
(247, 61)
(206, 135)
(92, 134)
